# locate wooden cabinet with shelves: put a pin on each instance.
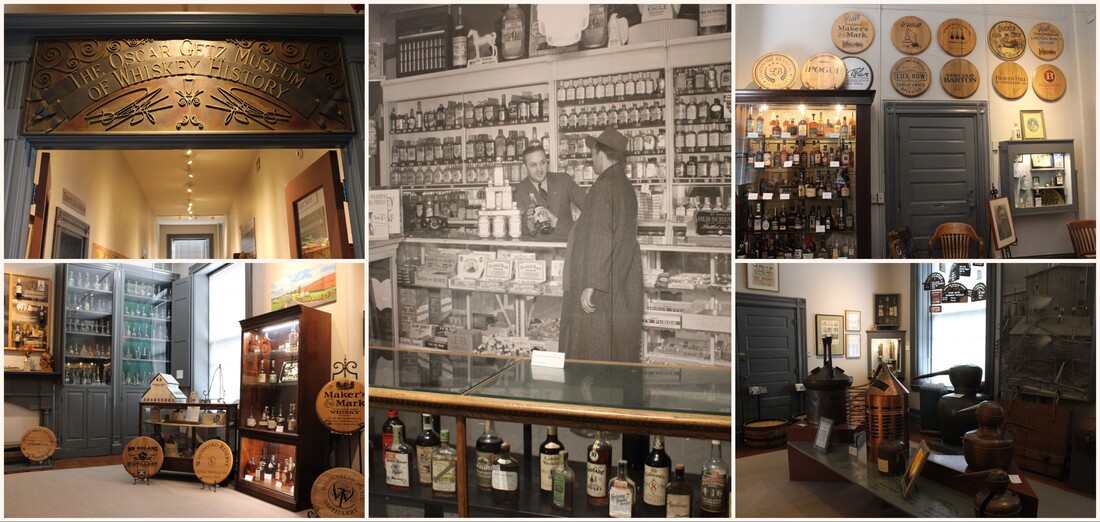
(1039, 176)
(180, 437)
(28, 307)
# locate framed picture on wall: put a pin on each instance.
(1034, 128)
(852, 321)
(1000, 218)
(851, 345)
(762, 276)
(831, 326)
(1041, 161)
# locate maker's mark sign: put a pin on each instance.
(143, 85)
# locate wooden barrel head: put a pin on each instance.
(824, 71)
(38, 444)
(853, 32)
(339, 493)
(341, 405)
(956, 37)
(1048, 82)
(960, 78)
(910, 35)
(910, 76)
(860, 74)
(142, 457)
(1007, 40)
(1046, 41)
(775, 71)
(1010, 80)
(213, 461)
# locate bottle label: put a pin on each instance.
(424, 463)
(656, 485)
(679, 506)
(485, 469)
(597, 480)
(713, 491)
(397, 469)
(458, 45)
(512, 38)
(621, 500)
(547, 465)
(559, 489)
(505, 480)
(443, 476)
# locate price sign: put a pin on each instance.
(784, 135)
(788, 164)
(752, 196)
(826, 195)
(713, 222)
(759, 165)
(784, 197)
(820, 229)
(768, 196)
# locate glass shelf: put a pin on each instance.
(437, 372)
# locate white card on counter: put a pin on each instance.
(788, 164)
(784, 196)
(759, 165)
(820, 228)
(826, 195)
(784, 135)
(753, 196)
(1015, 479)
(752, 135)
(767, 195)
(834, 163)
(547, 359)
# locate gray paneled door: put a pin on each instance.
(937, 167)
(770, 337)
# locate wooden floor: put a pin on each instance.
(81, 462)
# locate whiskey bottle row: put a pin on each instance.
(818, 127)
(688, 112)
(271, 471)
(610, 88)
(702, 80)
(275, 420)
(519, 109)
(589, 118)
(758, 247)
(800, 155)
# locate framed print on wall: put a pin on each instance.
(762, 276)
(831, 326)
(1032, 125)
(851, 321)
(1041, 161)
(1000, 218)
(851, 345)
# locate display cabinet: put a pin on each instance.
(181, 427)
(27, 308)
(886, 346)
(284, 364)
(803, 174)
(702, 141)
(887, 311)
(88, 331)
(642, 400)
(1038, 176)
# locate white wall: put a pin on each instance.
(116, 209)
(803, 30)
(832, 288)
(213, 230)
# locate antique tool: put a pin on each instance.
(827, 389)
(986, 447)
(996, 501)
(965, 378)
(887, 409)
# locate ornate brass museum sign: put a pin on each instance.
(142, 85)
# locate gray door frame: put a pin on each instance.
(798, 305)
(68, 222)
(894, 110)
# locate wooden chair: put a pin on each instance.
(1082, 232)
(954, 241)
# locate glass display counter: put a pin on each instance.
(1039, 176)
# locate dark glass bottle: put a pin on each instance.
(678, 501)
(488, 447)
(599, 470)
(387, 428)
(397, 458)
(549, 456)
(658, 467)
(505, 477)
(426, 443)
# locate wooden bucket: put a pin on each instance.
(766, 433)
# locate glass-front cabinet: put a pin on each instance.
(803, 176)
(89, 293)
(181, 427)
(1039, 176)
(146, 320)
(284, 364)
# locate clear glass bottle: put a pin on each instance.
(658, 467)
(549, 457)
(564, 483)
(292, 419)
(444, 467)
(506, 477)
(621, 494)
(487, 449)
(426, 444)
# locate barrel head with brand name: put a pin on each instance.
(212, 461)
(1046, 41)
(957, 37)
(960, 78)
(1010, 80)
(775, 71)
(911, 35)
(1007, 40)
(339, 493)
(142, 457)
(860, 74)
(38, 444)
(824, 71)
(910, 76)
(1049, 82)
(853, 32)
(341, 405)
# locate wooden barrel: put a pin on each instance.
(766, 433)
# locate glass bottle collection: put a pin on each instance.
(274, 471)
(664, 490)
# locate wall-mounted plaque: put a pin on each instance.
(230, 85)
(1010, 80)
(934, 281)
(860, 75)
(1007, 40)
(910, 76)
(824, 71)
(853, 32)
(955, 293)
(956, 37)
(1045, 41)
(910, 35)
(1048, 82)
(959, 78)
(775, 71)
(340, 405)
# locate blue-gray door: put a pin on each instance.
(770, 341)
(937, 168)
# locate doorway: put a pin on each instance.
(937, 166)
(771, 335)
(70, 236)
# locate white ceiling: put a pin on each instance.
(162, 177)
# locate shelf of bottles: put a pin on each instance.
(88, 329)
(270, 372)
(702, 140)
(178, 437)
(146, 318)
(269, 465)
(1039, 176)
(687, 309)
(797, 181)
(29, 313)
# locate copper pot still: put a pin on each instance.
(965, 379)
(887, 411)
(986, 447)
(827, 390)
(996, 501)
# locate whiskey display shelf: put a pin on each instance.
(416, 164)
(518, 124)
(188, 435)
(720, 181)
(608, 101)
(654, 153)
(591, 129)
(430, 132)
(1039, 176)
(686, 151)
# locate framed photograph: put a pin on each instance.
(762, 276)
(1032, 125)
(851, 345)
(1041, 161)
(1059, 160)
(851, 321)
(829, 326)
(289, 372)
(1000, 217)
(909, 479)
(824, 437)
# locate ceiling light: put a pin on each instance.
(188, 152)
(188, 190)
(188, 162)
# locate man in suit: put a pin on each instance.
(603, 295)
(545, 196)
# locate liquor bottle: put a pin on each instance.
(679, 499)
(19, 288)
(657, 469)
(760, 124)
(844, 128)
(776, 130)
(292, 420)
(852, 127)
(750, 125)
(505, 477)
(251, 421)
(292, 339)
(388, 426)
(269, 471)
(849, 220)
(813, 127)
(271, 376)
(488, 447)
(444, 467)
(291, 474)
(262, 376)
(564, 483)
(549, 457)
(803, 128)
(426, 443)
(829, 128)
(514, 33)
(418, 118)
(598, 470)
(260, 468)
(279, 418)
(621, 494)
(249, 468)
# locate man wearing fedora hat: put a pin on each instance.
(603, 300)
